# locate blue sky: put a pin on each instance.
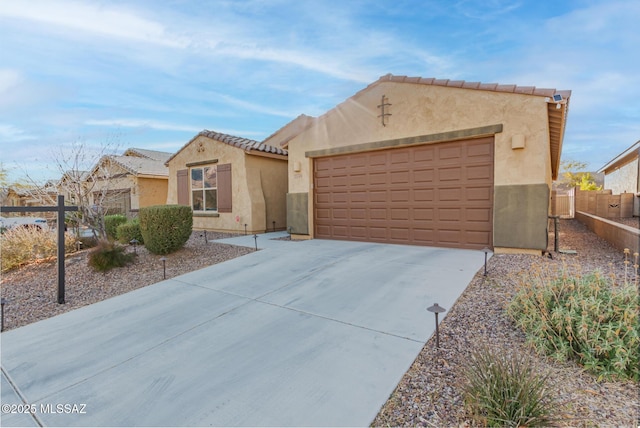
(152, 74)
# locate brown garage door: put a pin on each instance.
(435, 194)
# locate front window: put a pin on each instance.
(204, 189)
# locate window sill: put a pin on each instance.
(205, 214)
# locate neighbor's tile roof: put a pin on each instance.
(140, 166)
(150, 154)
(242, 143)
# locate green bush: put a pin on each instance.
(504, 389)
(22, 245)
(128, 231)
(589, 319)
(108, 255)
(165, 228)
(111, 223)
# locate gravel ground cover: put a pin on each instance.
(429, 392)
(31, 291)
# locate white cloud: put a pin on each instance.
(9, 79)
(91, 18)
(143, 123)
(9, 133)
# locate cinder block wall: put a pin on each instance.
(618, 235)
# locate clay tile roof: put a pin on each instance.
(239, 142)
(243, 143)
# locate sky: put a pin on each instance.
(151, 74)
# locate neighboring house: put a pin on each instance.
(429, 162)
(622, 175)
(230, 182)
(124, 184)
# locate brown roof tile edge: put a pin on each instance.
(243, 143)
(495, 87)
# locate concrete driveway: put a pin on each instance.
(314, 333)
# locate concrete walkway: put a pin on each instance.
(313, 333)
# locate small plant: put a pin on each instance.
(111, 223)
(504, 389)
(128, 231)
(108, 255)
(165, 228)
(589, 318)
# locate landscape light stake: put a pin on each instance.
(164, 267)
(135, 243)
(3, 301)
(245, 229)
(436, 309)
(486, 251)
(255, 238)
(206, 241)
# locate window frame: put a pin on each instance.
(204, 189)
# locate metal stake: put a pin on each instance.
(436, 309)
(486, 251)
(245, 229)
(3, 301)
(255, 238)
(135, 243)
(164, 267)
(274, 225)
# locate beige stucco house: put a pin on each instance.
(124, 184)
(230, 182)
(622, 175)
(419, 161)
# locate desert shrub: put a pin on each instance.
(129, 231)
(165, 228)
(589, 318)
(22, 245)
(505, 389)
(88, 242)
(108, 255)
(111, 223)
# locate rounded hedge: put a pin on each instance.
(111, 223)
(129, 231)
(165, 228)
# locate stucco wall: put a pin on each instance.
(427, 109)
(270, 188)
(248, 178)
(624, 179)
(151, 191)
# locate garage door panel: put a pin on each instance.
(423, 195)
(435, 194)
(401, 177)
(450, 194)
(449, 214)
(400, 214)
(378, 196)
(451, 152)
(479, 172)
(378, 233)
(422, 176)
(399, 196)
(377, 178)
(358, 213)
(453, 173)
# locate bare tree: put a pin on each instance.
(86, 179)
